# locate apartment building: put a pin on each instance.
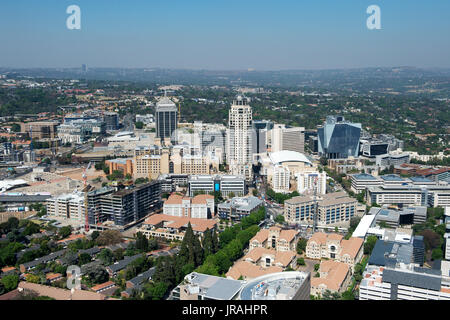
(266, 258)
(334, 276)
(281, 179)
(125, 206)
(308, 182)
(40, 129)
(200, 206)
(174, 227)
(333, 246)
(152, 162)
(69, 207)
(332, 208)
(275, 238)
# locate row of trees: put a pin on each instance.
(281, 197)
(212, 255)
(232, 243)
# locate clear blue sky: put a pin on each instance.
(225, 34)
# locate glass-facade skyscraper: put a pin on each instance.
(338, 139)
(166, 118)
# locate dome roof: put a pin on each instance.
(288, 156)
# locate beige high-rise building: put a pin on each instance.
(284, 138)
(152, 162)
(239, 138)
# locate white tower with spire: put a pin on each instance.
(239, 138)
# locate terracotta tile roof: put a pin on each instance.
(261, 236)
(52, 276)
(319, 238)
(275, 229)
(288, 235)
(336, 274)
(281, 257)
(174, 199)
(249, 270)
(60, 294)
(199, 225)
(7, 269)
(335, 236)
(102, 286)
(351, 246)
(201, 198)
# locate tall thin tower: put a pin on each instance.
(239, 138)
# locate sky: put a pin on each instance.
(225, 34)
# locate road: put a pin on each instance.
(128, 122)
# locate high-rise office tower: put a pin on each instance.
(111, 120)
(287, 138)
(338, 139)
(166, 119)
(260, 131)
(239, 138)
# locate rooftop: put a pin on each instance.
(363, 176)
(275, 286)
(213, 287)
(288, 156)
(199, 225)
(392, 177)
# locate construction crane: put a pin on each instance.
(85, 189)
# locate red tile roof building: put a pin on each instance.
(333, 246)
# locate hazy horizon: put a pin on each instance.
(224, 35)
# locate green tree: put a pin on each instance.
(207, 243)
(96, 274)
(301, 245)
(33, 278)
(301, 262)
(15, 127)
(83, 258)
(157, 290)
(191, 249)
(139, 125)
(279, 218)
(118, 254)
(10, 281)
(141, 242)
(65, 231)
(370, 244)
(208, 268)
(106, 257)
(109, 237)
(437, 254)
(95, 235)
